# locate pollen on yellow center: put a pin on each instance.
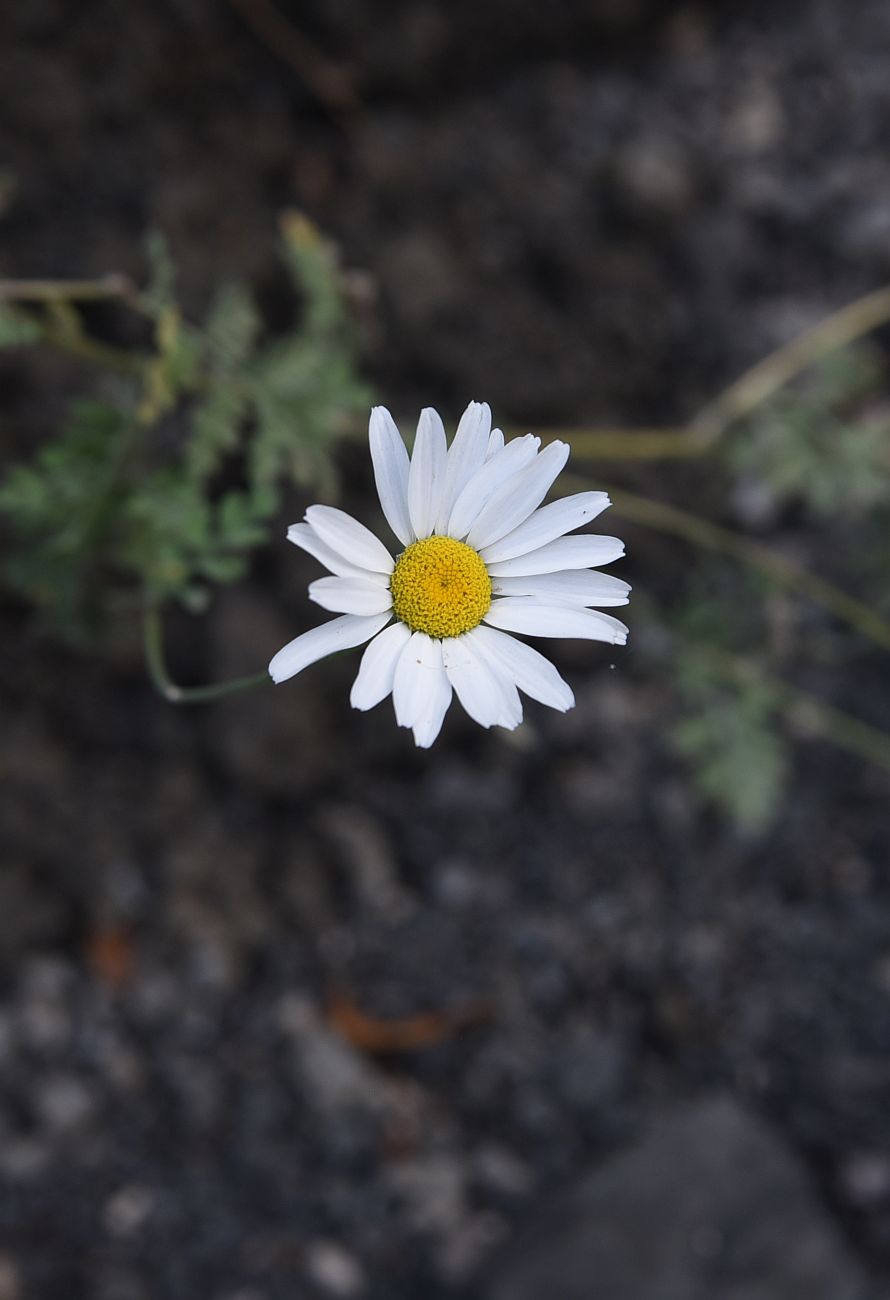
(440, 586)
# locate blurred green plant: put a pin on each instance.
(824, 443)
(811, 435)
(160, 489)
(726, 727)
(821, 443)
(727, 733)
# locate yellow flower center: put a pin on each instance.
(441, 587)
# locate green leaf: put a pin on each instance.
(231, 329)
(240, 521)
(62, 512)
(167, 528)
(17, 329)
(822, 443)
(215, 429)
(312, 262)
(159, 294)
(728, 736)
(169, 493)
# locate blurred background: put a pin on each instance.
(600, 1008)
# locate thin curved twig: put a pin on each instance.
(328, 81)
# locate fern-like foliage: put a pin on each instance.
(737, 756)
(821, 448)
(165, 489)
(63, 509)
(17, 329)
(726, 729)
(823, 443)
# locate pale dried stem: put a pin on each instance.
(742, 397)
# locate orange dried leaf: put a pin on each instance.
(405, 1034)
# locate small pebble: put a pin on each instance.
(499, 1170)
(334, 1269)
(865, 1178)
(65, 1103)
(127, 1210)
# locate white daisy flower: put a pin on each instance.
(481, 558)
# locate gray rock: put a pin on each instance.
(46, 1026)
(126, 1210)
(334, 1076)
(865, 1178)
(66, 1103)
(433, 1189)
(367, 854)
(462, 1251)
(709, 1206)
(501, 1171)
(23, 1158)
(590, 1068)
(334, 1270)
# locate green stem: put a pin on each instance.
(60, 328)
(702, 532)
(89, 349)
(60, 325)
(112, 285)
(156, 664)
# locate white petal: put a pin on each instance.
(518, 497)
(416, 679)
(568, 586)
(489, 479)
(511, 711)
(350, 595)
(544, 525)
(525, 614)
(390, 459)
(475, 684)
(495, 443)
(584, 552)
(377, 668)
(531, 672)
(305, 536)
(465, 456)
(339, 634)
(430, 718)
(349, 538)
(426, 472)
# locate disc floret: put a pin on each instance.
(440, 586)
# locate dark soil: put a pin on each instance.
(585, 213)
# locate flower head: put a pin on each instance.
(482, 558)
